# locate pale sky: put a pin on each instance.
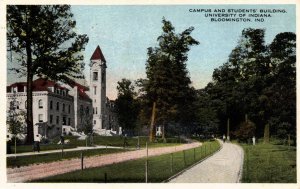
(125, 32)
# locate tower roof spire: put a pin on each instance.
(98, 55)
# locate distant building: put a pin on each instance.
(59, 108)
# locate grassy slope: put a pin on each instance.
(44, 158)
(134, 171)
(268, 163)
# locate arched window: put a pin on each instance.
(40, 103)
(63, 109)
(57, 106)
(51, 105)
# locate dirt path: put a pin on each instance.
(223, 167)
(38, 171)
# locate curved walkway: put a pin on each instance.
(37, 171)
(223, 167)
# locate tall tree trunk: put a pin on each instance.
(29, 118)
(267, 133)
(163, 136)
(152, 127)
(228, 128)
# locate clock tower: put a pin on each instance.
(98, 88)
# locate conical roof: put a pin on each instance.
(98, 55)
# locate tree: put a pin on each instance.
(44, 43)
(127, 106)
(168, 80)
(15, 119)
(258, 80)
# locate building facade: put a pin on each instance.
(59, 108)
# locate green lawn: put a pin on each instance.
(99, 140)
(160, 168)
(43, 147)
(43, 158)
(269, 163)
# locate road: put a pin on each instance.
(36, 171)
(223, 167)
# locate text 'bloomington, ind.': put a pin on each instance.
(238, 15)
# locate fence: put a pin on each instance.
(150, 168)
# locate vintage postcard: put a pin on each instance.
(164, 92)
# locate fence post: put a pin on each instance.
(146, 164)
(247, 153)
(105, 177)
(62, 150)
(81, 160)
(171, 162)
(194, 154)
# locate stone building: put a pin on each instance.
(59, 108)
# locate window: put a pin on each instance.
(95, 76)
(40, 103)
(51, 119)
(57, 106)
(40, 117)
(96, 110)
(57, 119)
(103, 76)
(17, 105)
(94, 122)
(69, 121)
(87, 110)
(69, 108)
(64, 121)
(51, 105)
(95, 90)
(63, 109)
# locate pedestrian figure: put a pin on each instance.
(125, 142)
(253, 140)
(224, 138)
(8, 145)
(38, 140)
(62, 140)
(228, 138)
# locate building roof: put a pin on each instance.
(42, 84)
(98, 55)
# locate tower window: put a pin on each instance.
(40, 117)
(40, 103)
(51, 105)
(102, 76)
(95, 76)
(95, 90)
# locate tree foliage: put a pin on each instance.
(259, 80)
(127, 105)
(168, 83)
(43, 41)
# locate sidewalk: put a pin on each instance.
(37, 171)
(223, 167)
(65, 150)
